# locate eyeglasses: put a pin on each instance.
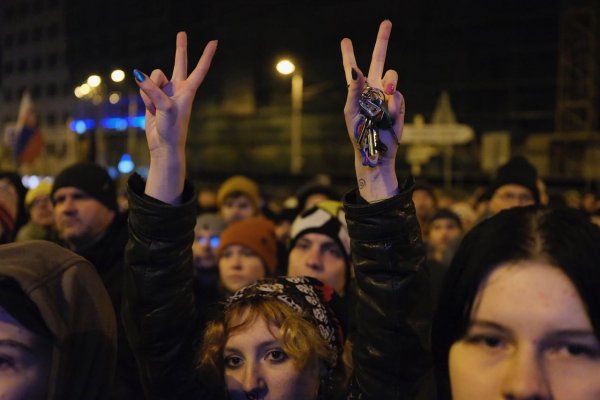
(212, 241)
(521, 198)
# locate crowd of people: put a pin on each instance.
(395, 290)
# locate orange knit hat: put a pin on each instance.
(257, 234)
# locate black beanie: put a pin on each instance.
(517, 171)
(92, 179)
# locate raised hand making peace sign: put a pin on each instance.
(379, 182)
(168, 108)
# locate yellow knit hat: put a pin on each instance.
(242, 184)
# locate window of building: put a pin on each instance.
(22, 65)
(9, 40)
(52, 60)
(37, 6)
(9, 13)
(37, 63)
(23, 8)
(36, 35)
(8, 68)
(53, 31)
(36, 91)
(51, 90)
(23, 37)
(7, 95)
(51, 118)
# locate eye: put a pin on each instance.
(575, 350)
(276, 355)
(335, 251)
(489, 341)
(302, 245)
(233, 362)
(6, 363)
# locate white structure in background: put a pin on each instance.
(427, 140)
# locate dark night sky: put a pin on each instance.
(497, 59)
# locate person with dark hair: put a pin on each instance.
(13, 214)
(57, 325)
(519, 311)
(515, 185)
(89, 223)
(425, 202)
(276, 339)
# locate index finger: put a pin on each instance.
(348, 59)
(379, 52)
(198, 74)
(180, 66)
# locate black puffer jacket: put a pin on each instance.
(391, 352)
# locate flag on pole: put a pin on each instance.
(29, 142)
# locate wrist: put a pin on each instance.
(378, 183)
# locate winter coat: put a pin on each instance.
(75, 309)
(108, 256)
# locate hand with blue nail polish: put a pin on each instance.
(168, 109)
(378, 182)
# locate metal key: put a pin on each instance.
(373, 117)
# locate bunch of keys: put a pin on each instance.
(373, 116)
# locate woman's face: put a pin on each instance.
(24, 361)
(257, 367)
(239, 266)
(529, 338)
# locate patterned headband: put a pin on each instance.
(308, 296)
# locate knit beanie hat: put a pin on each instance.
(257, 234)
(43, 189)
(445, 213)
(239, 184)
(327, 218)
(92, 179)
(517, 171)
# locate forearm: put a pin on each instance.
(159, 311)
(391, 347)
(166, 175)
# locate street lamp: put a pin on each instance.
(286, 67)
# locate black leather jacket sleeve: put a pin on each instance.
(159, 312)
(391, 352)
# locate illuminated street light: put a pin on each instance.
(117, 75)
(78, 92)
(94, 81)
(85, 89)
(286, 67)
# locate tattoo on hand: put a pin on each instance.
(361, 183)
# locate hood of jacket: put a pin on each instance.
(77, 311)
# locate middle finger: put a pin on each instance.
(379, 53)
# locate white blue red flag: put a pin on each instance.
(29, 142)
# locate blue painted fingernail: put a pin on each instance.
(354, 74)
(139, 76)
